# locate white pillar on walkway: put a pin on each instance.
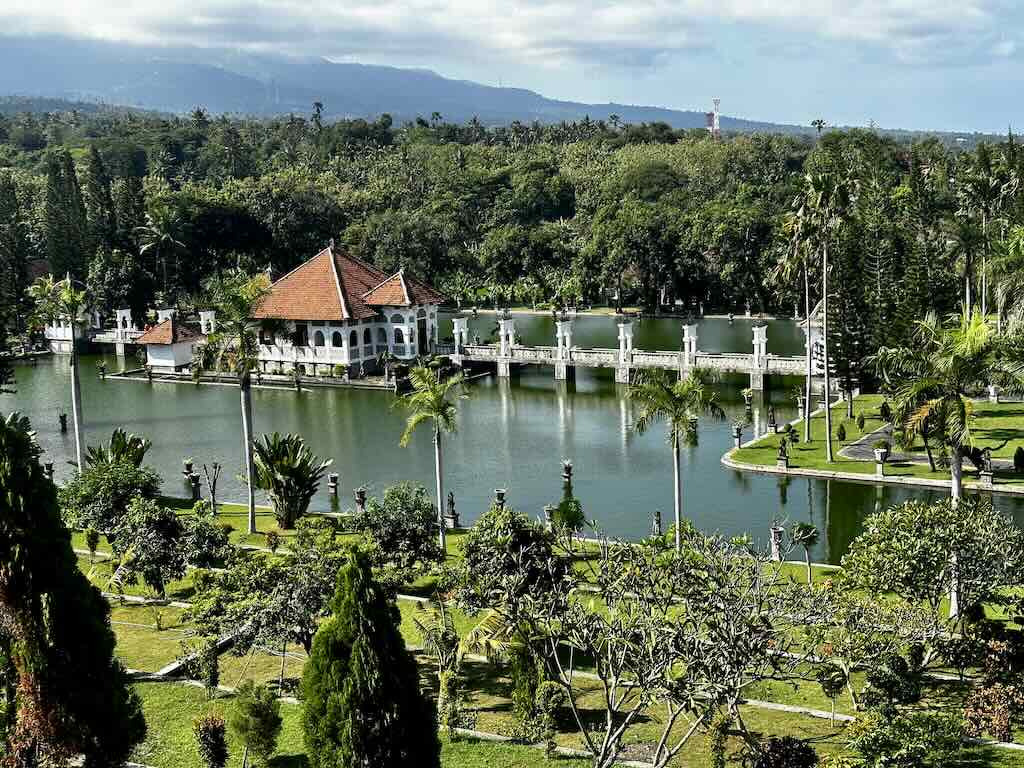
(460, 330)
(625, 342)
(506, 336)
(690, 345)
(165, 314)
(760, 346)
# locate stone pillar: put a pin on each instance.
(360, 496)
(737, 435)
(757, 380)
(625, 352)
(656, 524)
(985, 480)
(460, 331)
(451, 517)
(563, 352)
(165, 314)
(208, 321)
(993, 393)
(690, 345)
(504, 368)
(332, 483)
(760, 346)
(193, 481)
(506, 336)
(499, 498)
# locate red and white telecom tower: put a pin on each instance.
(713, 122)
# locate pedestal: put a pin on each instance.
(782, 463)
(985, 480)
(622, 374)
(879, 469)
(757, 381)
(504, 368)
(119, 349)
(563, 371)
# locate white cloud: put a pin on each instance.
(632, 32)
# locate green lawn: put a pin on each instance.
(995, 423)
(140, 645)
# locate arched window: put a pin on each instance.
(124, 322)
(336, 339)
(318, 339)
(397, 319)
(421, 313)
(367, 337)
(353, 339)
(399, 336)
(382, 336)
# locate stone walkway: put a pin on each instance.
(863, 450)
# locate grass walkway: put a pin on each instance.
(994, 424)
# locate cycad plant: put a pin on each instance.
(433, 399)
(678, 404)
(934, 380)
(123, 447)
(289, 472)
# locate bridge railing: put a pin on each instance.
(648, 359)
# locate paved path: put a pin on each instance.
(864, 450)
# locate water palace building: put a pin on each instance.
(338, 310)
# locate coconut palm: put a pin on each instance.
(1008, 273)
(933, 380)
(160, 237)
(289, 472)
(796, 262)
(60, 300)
(822, 208)
(678, 404)
(432, 399)
(964, 244)
(234, 347)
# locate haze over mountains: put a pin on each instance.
(177, 80)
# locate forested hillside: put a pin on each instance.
(144, 208)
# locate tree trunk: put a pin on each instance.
(824, 340)
(245, 388)
(956, 473)
(928, 451)
(807, 559)
(284, 658)
(677, 492)
(440, 487)
(76, 401)
(810, 368)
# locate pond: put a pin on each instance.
(511, 434)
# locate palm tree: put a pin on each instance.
(60, 300)
(678, 404)
(806, 535)
(933, 380)
(964, 241)
(160, 236)
(431, 400)
(1008, 273)
(819, 124)
(289, 472)
(234, 347)
(822, 208)
(796, 261)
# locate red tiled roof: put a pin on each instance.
(401, 291)
(336, 286)
(170, 331)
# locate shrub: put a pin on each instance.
(885, 411)
(256, 719)
(841, 432)
(527, 674)
(205, 541)
(550, 698)
(97, 497)
(718, 737)
(273, 539)
(786, 752)
(993, 710)
(92, 541)
(860, 422)
(213, 746)
(339, 371)
(402, 533)
(891, 681)
(907, 740)
(1018, 459)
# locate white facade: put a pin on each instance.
(316, 346)
(58, 334)
(170, 357)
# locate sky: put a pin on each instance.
(927, 64)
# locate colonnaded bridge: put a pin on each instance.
(564, 357)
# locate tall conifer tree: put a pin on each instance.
(363, 704)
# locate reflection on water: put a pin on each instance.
(512, 434)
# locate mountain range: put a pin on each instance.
(223, 81)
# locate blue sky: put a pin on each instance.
(939, 64)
